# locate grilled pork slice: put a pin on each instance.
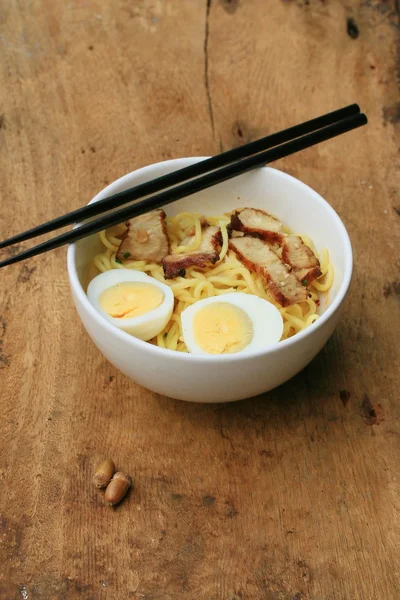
(258, 223)
(146, 238)
(301, 258)
(290, 247)
(206, 255)
(257, 255)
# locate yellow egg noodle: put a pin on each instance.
(228, 275)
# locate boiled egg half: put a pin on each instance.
(231, 323)
(132, 301)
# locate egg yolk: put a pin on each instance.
(222, 328)
(130, 299)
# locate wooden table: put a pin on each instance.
(291, 496)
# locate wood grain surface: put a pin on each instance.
(291, 496)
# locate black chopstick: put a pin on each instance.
(191, 187)
(171, 179)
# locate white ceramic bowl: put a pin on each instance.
(199, 378)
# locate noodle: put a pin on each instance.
(229, 275)
(225, 240)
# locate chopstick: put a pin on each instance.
(210, 179)
(176, 177)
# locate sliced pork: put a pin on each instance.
(301, 258)
(146, 238)
(205, 256)
(255, 221)
(257, 255)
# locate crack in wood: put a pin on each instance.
(226, 437)
(4, 360)
(206, 78)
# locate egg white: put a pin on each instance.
(266, 320)
(143, 327)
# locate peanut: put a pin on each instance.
(118, 488)
(103, 474)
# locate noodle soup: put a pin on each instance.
(229, 274)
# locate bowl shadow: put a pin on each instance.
(306, 397)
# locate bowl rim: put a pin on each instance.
(192, 358)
